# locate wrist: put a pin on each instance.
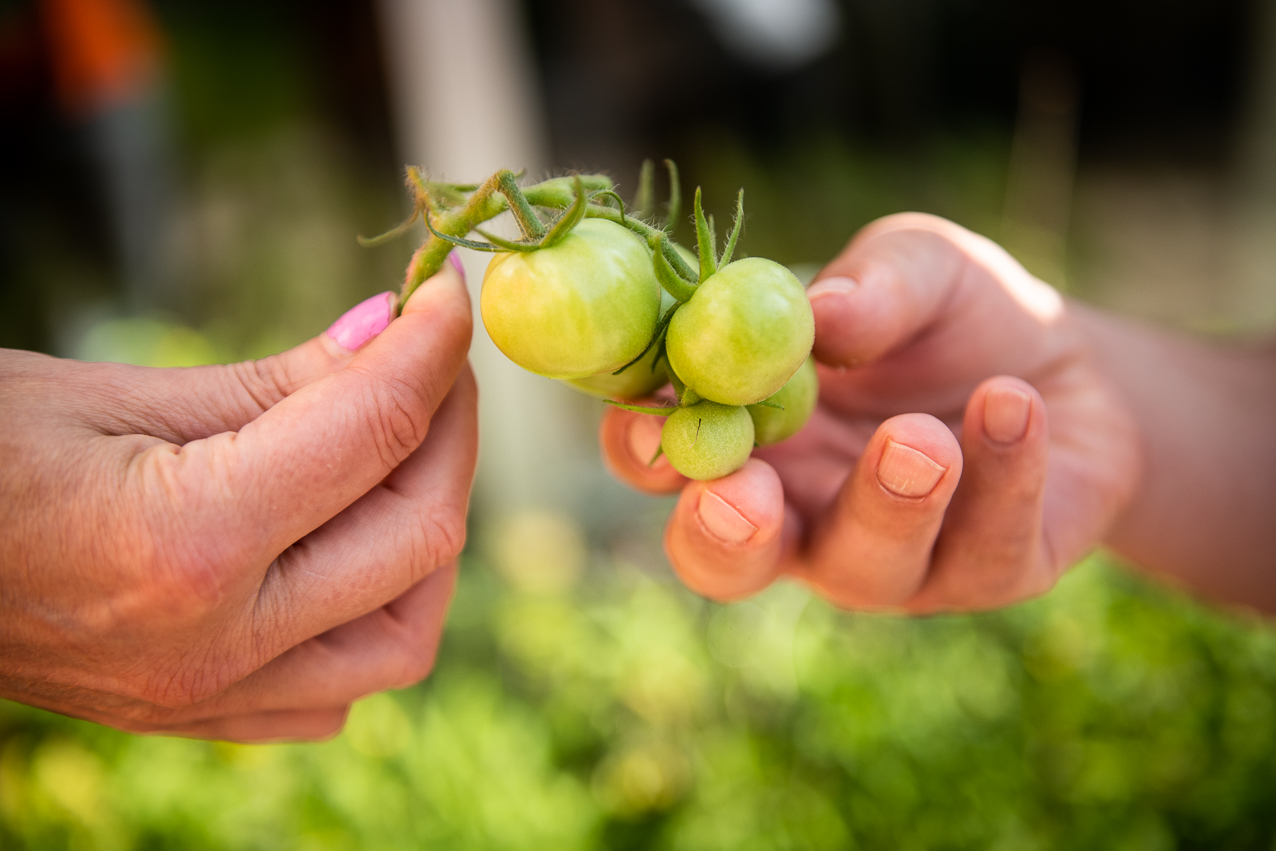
(1205, 413)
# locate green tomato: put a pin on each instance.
(796, 399)
(707, 440)
(640, 380)
(743, 334)
(586, 305)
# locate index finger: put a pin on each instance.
(314, 453)
(901, 275)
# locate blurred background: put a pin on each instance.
(182, 183)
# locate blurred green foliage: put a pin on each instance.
(616, 710)
(804, 201)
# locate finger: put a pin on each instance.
(904, 280)
(724, 537)
(872, 549)
(890, 281)
(317, 451)
(389, 540)
(391, 647)
(991, 551)
(629, 442)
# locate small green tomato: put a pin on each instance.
(796, 399)
(707, 440)
(586, 305)
(636, 382)
(743, 334)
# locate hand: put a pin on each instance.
(966, 450)
(236, 552)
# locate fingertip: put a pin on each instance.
(872, 550)
(833, 305)
(629, 441)
(883, 290)
(1005, 412)
(915, 442)
(724, 536)
(359, 324)
(859, 311)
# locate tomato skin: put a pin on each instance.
(586, 305)
(637, 382)
(707, 440)
(798, 398)
(743, 334)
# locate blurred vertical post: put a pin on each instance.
(1253, 253)
(465, 104)
(1043, 157)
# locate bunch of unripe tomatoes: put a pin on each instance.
(597, 294)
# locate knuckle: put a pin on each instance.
(400, 417)
(415, 667)
(415, 654)
(331, 728)
(266, 381)
(179, 553)
(446, 532)
(183, 682)
(435, 538)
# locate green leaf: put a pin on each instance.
(735, 231)
(706, 242)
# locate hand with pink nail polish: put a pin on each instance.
(237, 552)
(976, 435)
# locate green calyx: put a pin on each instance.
(453, 210)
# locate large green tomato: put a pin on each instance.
(743, 334)
(796, 401)
(637, 382)
(586, 305)
(707, 440)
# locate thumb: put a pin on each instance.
(312, 454)
(181, 405)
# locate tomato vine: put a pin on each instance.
(618, 309)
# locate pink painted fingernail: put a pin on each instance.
(455, 259)
(906, 472)
(1006, 411)
(722, 520)
(362, 322)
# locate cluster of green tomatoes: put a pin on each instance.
(601, 297)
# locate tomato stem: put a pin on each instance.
(451, 214)
(528, 222)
